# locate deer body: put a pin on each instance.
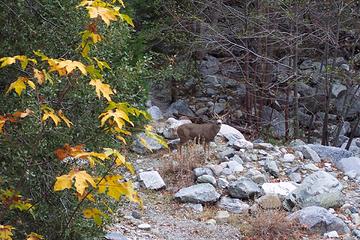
(201, 133)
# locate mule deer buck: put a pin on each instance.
(201, 133)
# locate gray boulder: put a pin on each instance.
(152, 180)
(206, 179)
(115, 236)
(202, 171)
(319, 219)
(233, 205)
(275, 119)
(244, 188)
(281, 188)
(171, 126)
(209, 66)
(230, 133)
(334, 154)
(199, 193)
(308, 153)
(155, 113)
(318, 189)
(353, 98)
(269, 201)
(272, 168)
(349, 164)
(151, 143)
(179, 107)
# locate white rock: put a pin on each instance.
(230, 133)
(171, 126)
(221, 216)
(196, 207)
(211, 222)
(311, 166)
(235, 167)
(152, 180)
(222, 183)
(242, 144)
(280, 188)
(289, 157)
(144, 226)
(332, 234)
(355, 217)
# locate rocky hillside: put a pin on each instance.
(245, 190)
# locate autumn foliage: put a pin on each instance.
(88, 180)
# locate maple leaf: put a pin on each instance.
(82, 181)
(120, 1)
(92, 157)
(71, 66)
(95, 214)
(24, 60)
(19, 85)
(111, 186)
(19, 114)
(102, 64)
(68, 151)
(86, 195)
(40, 76)
(63, 182)
(127, 19)
(34, 236)
(106, 14)
(65, 119)
(6, 232)
(13, 117)
(2, 123)
(102, 88)
(115, 114)
(49, 112)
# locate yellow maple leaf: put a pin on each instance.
(102, 88)
(65, 119)
(120, 1)
(102, 64)
(7, 61)
(63, 182)
(95, 214)
(40, 76)
(117, 115)
(119, 158)
(19, 85)
(49, 112)
(127, 19)
(6, 232)
(34, 236)
(71, 66)
(2, 123)
(82, 181)
(111, 186)
(106, 14)
(24, 60)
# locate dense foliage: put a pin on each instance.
(49, 117)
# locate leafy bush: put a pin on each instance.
(51, 143)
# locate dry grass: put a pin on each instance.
(178, 169)
(271, 224)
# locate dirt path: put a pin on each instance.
(168, 219)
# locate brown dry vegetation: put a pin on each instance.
(178, 169)
(271, 224)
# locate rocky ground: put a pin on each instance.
(246, 190)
